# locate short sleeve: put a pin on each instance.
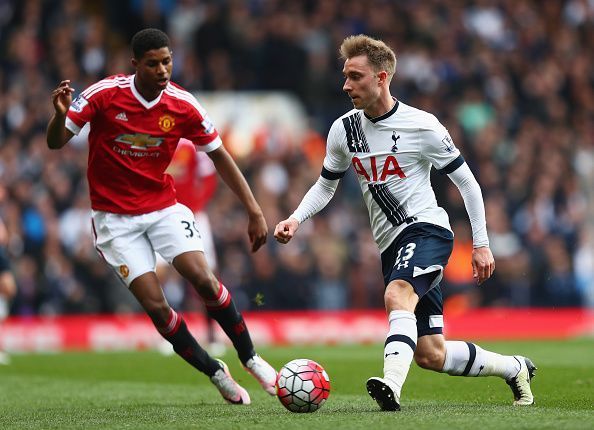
(438, 147)
(338, 159)
(201, 130)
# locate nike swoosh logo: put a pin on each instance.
(391, 353)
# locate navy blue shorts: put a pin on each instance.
(419, 255)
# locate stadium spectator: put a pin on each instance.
(535, 101)
(136, 122)
(412, 232)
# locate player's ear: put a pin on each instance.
(382, 77)
(134, 62)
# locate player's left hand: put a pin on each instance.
(257, 230)
(483, 264)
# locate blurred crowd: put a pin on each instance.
(512, 80)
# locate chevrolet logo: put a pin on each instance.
(139, 140)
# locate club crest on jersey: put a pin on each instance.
(124, 271)
(139, 140)
(395, 139)
(166, 123)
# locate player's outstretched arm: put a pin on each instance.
(257, 227)
(314, 201)
(285, 230)
(57, 134)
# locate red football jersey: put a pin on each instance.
(194, 175)
(132, 141)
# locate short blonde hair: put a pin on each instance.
(380, 56)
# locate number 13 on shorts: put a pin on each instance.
(405, 253)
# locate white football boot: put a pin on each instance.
(520, 384)
(263, 372)
(231, 391)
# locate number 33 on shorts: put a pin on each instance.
(191, 228)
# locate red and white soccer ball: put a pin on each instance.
(302, 385)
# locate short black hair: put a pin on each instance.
(147, 40)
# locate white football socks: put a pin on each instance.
(468, 359)
(399, 348)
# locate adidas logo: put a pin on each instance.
(121, 116)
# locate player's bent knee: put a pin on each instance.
(430, 359)
(399, 295)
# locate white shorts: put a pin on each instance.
(128, 242)
(207, 241)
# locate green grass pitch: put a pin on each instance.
(145, 390)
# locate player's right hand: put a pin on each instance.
(285, 230)
(62, 97)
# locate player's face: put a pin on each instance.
(153, 70)
(361, 82)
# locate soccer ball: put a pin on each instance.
(302, 385)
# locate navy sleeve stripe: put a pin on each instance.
(327, 174)
(452, 166)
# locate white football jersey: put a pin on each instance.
(392, 156)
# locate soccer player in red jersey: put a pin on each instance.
(136, 123)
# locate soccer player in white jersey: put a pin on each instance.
(392, 147)
(136, 123)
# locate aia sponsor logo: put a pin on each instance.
(375, 172)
